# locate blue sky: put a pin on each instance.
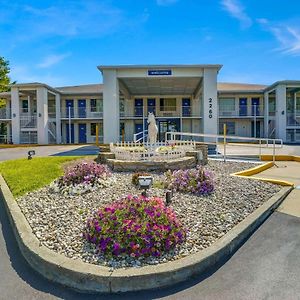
(62, 42)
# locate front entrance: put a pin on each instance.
(168, 125)
(82, 133)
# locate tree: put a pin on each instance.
(4, 87)
(4, 78)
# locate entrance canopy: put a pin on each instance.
(162, 86)
(157, 79)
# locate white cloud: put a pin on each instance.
(52, 59)
(288, 36)
(23, 74)
(165, 2)
(237, 11)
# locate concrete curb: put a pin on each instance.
(253, 171)
(280, 157)
(91, 278)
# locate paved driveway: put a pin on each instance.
(21, 152)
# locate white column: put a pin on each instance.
(281, 112)
(266, 114)
(210, 102)
(111, 112)
(58, 118)
(8, 132)
(42, 115)
(15, 115)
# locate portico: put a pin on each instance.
(182, 97)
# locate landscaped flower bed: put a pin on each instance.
(196, 181)
(135, 226)
(59, 220)
(81, 177)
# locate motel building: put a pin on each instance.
(184, 98)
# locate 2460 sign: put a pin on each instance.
(210, 110)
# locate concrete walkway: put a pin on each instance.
(267, 266)
(289, 171)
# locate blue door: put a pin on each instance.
(138, 128)
(81, 108)
(138, 107)
(82, 133)
(186, 107)
(255, 106)
(69, 108)
(68, 133)
(243, 106)
(151, 105)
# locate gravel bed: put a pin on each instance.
(58, 221)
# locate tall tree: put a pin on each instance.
(4, 78)
(4, 87)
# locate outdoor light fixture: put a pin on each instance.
(40, 114)
(145, 183)
(30, 154)
(169, 195)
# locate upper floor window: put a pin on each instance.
(168, 104)
(96, 105)
(24, 106)
(227, 104)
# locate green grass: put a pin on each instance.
(23, 175)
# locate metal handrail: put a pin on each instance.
(275, 143)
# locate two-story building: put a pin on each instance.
(184, 98)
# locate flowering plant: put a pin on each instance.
(197, 181)
(82, 177)
(135, 226)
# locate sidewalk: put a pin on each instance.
(289, 171)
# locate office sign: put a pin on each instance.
(159, 72)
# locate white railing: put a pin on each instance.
(28, 121)
(52, 132)
(28, 137)
(240, 110)
(80, 113)
(293, 119)
(5, 139)
(161, 151)
(216, 139)
(140, 136)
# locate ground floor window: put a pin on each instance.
(93, 129)
(230, 127)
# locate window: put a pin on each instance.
(168, 104)
(96, 105)
(93, 129)
(230, 127)
(272, 105)
(227, 104)
(25, 105)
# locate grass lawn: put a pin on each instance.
(23, 175)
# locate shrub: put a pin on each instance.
(135, 226)
(135, 177)
(197, 181)
(83, 176)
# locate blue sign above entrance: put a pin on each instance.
(159, 72)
